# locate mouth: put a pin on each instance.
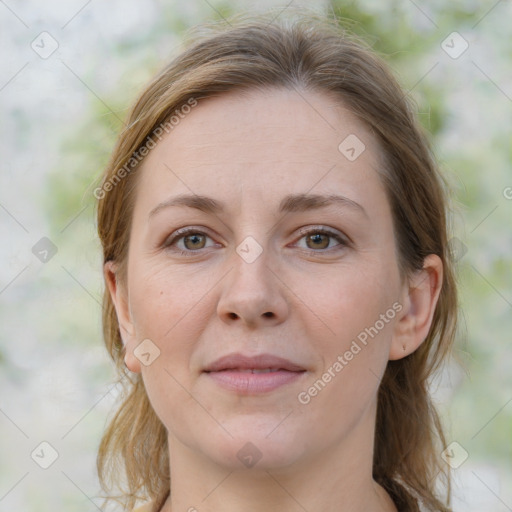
(254, 381)
(253, 375)
(253, 370)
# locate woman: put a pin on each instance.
(278, 283)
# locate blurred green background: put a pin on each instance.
(60, 117)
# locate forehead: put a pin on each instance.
(262, 144)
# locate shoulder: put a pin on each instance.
(144, 508)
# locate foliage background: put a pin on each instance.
(60, 116)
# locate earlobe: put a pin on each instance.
(119, 298)
(420, 300)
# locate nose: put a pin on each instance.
(252, 294)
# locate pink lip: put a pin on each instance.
(261, 361)
(253, 383)
(233, 372)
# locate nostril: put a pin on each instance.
(268, 313)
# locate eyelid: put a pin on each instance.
(343, 240)
(326, 230)
(180, 233)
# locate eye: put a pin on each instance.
(319, 239)
(190, 241)
(187, 241)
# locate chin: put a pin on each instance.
(257, 444)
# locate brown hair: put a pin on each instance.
(311, 53)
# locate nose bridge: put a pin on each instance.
(253, 291)
(251, 260)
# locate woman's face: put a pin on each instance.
(269, 270)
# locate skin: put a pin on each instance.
(303, 299)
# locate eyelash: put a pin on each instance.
(182, 233)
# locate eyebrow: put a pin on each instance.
(290, 203)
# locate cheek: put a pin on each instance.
(356, 309)
(164, 299)
(350, 299)
(353, 361)
(167, 309)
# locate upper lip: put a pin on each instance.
(257, 362)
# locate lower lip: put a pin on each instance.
(246, 383)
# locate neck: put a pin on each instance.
(337, 480)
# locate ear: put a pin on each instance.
(119, 296)
(419, 300)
